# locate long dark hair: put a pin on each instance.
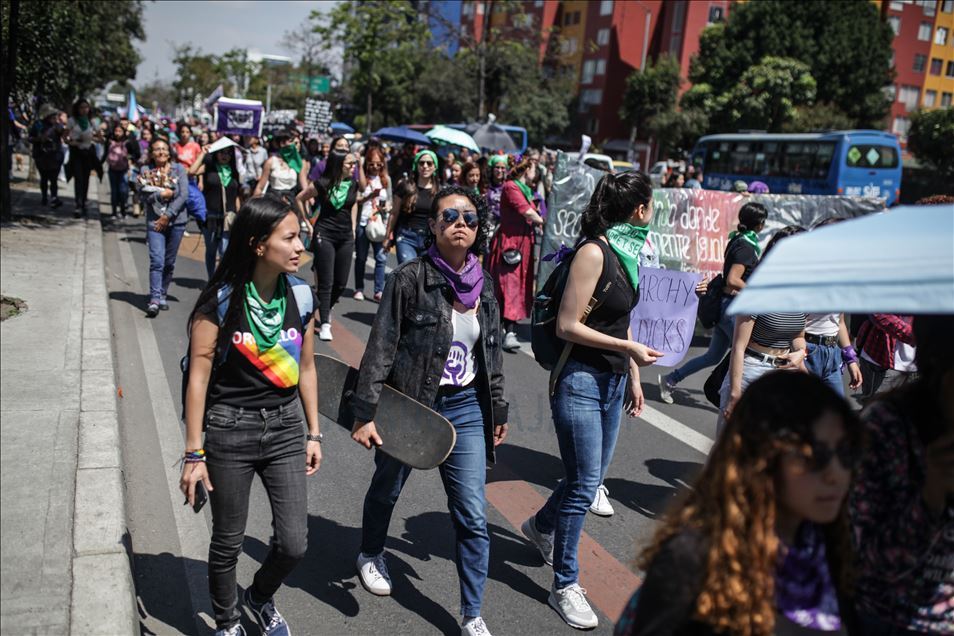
(732, 505)
(333, 174)
(483, 216)
(253, 224)
(76, 105)
(784, 233)
(613, 201)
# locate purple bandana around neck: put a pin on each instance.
(804, 591)
(467, 283)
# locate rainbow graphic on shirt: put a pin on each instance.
(280, 363)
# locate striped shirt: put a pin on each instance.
(777, 330)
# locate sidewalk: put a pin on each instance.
(64, 546)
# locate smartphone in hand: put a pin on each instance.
(201, 496)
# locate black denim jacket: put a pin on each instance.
(410, 339)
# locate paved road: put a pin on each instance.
(657, 455)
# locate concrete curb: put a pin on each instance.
(103, 595)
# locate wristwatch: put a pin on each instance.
(315, 438)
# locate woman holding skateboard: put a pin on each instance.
(436, 338)
(251, 357)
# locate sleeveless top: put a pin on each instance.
(282, 176)
(610, 317)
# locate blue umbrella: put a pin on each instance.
(341, 128)
(897, 262)
(402, 135)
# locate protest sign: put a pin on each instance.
(238, 116)
(665, 316)
(317, 116)
(279, 120)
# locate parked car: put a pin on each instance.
(658, 172)
(603, 162)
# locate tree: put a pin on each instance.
(196, 72)
(650, 91)
(931, 138)
(766, 96)
(676, 131)
(845, 43)
(818, 117)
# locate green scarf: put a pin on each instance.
(265, 319)
(527, 192)
(627, 240)
(83, 122)
(749, 237)
(339, 194)
(292, 157)
(225, 174)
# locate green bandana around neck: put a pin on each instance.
(626, 240)
(265, 319)
(292, 157)
(83, 122)
(527, 192)
(225, 174)
(339, 194)
(749, 237)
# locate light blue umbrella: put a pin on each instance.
(898, 262)
(452, 137)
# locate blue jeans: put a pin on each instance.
(118, 191)
(464, 476)
(163, 247)
(409, 244)
(240, 444)
(719, 345)
(825, 362)
(216, 242)
(587, 406)
(361, 247)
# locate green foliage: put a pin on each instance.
(650, 92)
(931, 138)
(766, 96)
(676, 131)
(68, 48)
(817, 117)
(844, 44)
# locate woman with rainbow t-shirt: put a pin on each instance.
(251, 357)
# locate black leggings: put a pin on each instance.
(332, 266)
(48, 180)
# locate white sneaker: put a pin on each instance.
(325, 332)
(570, 603)
(373, 573)
(665, 389)
(543, 542)
(510, 341)
(474, 627)
(358, 295)
(601, 505)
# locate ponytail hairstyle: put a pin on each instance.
(521, 167)
(613, 201)
(751, 216)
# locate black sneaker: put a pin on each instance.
(152, 310)
(55, 203)
(43, 202)
(266, 615)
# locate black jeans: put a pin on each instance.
(332, 267)
(84, 162)
(48, 179)
(240, 443)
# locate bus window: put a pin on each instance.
(807, 160)
(794, 160)
(823, 159)
(742, 159)
(766, 159)
(872, 156)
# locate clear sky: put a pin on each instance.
(215, 27)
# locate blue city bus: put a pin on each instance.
(850, 162)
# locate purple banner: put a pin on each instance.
(665, 316)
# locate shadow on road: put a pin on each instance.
(162, 600)
(363, 317)
(653, 500)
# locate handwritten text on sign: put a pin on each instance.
(665, 316)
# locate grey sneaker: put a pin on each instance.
(474, 627)
(510, 342)
(543, 542)
(601, 505)
(234, 630)
(373, 574)
(570, 603)
(267, 616)
(665, 389)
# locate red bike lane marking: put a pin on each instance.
(608, 582)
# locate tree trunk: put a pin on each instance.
(10, 72)
(370, 113)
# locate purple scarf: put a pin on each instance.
(467, 283)
(804, 591)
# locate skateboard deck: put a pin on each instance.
(410, 432)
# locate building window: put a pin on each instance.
(945, 100)
(896, 5)
(480, 8)
(602, 37)
(929, 98)
(928, 7)
(937, 65)
(950, 69)
(716, 14)
(537, 3)
(900, 126)
(589, 68)
(947, 6)
(924, 32)
(940, 36)
(891, 92)
(571, 18)
(601, 67)
(908, 95)
(522, 20)
(467, 9)
(606, 7)
(592, 96)
(895, 23)
(568, 46)
(920, 62)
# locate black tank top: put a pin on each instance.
(611, 316)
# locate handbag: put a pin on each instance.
(713, 384)
(710, 305)
(512, 256)
(376, 230)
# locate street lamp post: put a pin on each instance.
(631, 153)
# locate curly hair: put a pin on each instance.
(483, 216)
(733, 504)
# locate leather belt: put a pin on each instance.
(775, 361)
(824, 341)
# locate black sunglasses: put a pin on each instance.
(450, 215)
(822, 454)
